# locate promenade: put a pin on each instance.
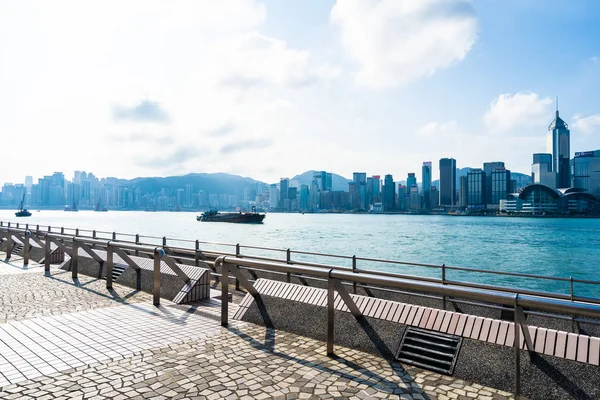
(61, 339)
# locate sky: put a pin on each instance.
(270, 89)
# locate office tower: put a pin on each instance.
(541, 170)
(463, 191)
(359, 195)
(426, 185)
(304, 198)
(435, 197)
(314, 194)
(414, 198)
(447, 181)
(283, 191)
(558, 142)
(586, 171)
(273, 196)
(488, 168)
(389, 195)
(376, 188)
(28, 185)
(500, 182)
(475, 187)
(401, 194)
(411, 180)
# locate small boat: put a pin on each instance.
(72, 208)
(100, 209)
(238, 218)
(22, 211)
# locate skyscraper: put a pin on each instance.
(447, 181)
(389, 194)
(476, 187)
(488, 168)
(284, 183)
(411, 179)
(426, 185)
(559, 144)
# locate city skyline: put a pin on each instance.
(263, 89)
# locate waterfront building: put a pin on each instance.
(411, 179)
(284, 184)
(586, 171)
(426, 184)
(389, 195)
(376, 188)
(304, 198)
(463, 191)
(500, 182)
(558, 143)
(359, 190)
(314, 195)
(323, 180)
(543, 200)
(541, 170)
(414, 198)
(401, 194)
(273, 196)
(488, 168)
(476, 188)
(435, 197)
(447, 181)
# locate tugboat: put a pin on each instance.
(238, 218)
(22, 211)
(100, 209)
(72, 208)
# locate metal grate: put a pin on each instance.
(429, 350)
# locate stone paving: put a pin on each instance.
(61, 340)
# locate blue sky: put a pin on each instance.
(269, 89)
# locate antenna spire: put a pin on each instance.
(557, 106)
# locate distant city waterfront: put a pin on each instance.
(557, 247)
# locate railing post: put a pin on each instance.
(158, 253)
(330, 315)
(354, 271)
(114, 236)
(237, 254)
(197, 253)
(109, 266)
(47, 250)
(17, 225)
(26, 248)
(224, 294)
(94, 234)
(517, 327)
(9, 245)
(137, 241)
(288, 260)
(37, 229)
(62, 230)
(443, 283)
(75, 259)
(9, 224)
(571, 297)
(76, 231)
(164, 240)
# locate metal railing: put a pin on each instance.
(287, 255)
(335, 278)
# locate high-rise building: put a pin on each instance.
(541, 170)
(415, 200)
(401, 194)
(586, 171)
(389, 194)
(359, 194)
(488, 168)
(411, 180)
(559, 144)
(500, 185)
(304, 198)
(463, 191)
(284, 183)
(435, 197)
(273, 196)
(447, 181)
(476, 187)
(426, 184)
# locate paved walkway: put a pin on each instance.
(61, 339)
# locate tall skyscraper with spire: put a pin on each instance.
(559, 145)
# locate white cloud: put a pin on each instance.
(586, 125)
(509, 112)
(146, 84)
(396, 42)
(436, 130)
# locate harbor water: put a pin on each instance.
(554, 247)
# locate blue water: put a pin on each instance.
(552, 247)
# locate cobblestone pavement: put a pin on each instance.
(123, 347)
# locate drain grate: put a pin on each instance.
(430, 350)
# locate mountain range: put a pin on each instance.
(235, 184)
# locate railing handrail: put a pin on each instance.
(377, 260)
